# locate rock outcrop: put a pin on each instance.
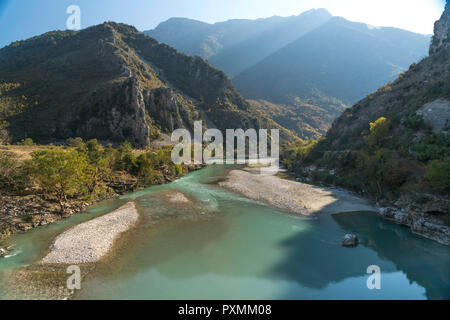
(3, 252)
(420, 222)
(119, 114)
(441, 38)
(436, 113)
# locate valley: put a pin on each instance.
(91, 176)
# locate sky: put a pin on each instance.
(22, 19)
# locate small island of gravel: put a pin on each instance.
(90, 241)
(295, 197)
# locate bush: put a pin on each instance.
(13, 176)
(77, 143)
(26, 142)
(415, 122)
(7, 170)
(438, 174)
(396, 172)
(28, 219)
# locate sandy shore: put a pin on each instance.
(293, 196)
(90, 241)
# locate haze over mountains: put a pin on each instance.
(114, 83)
(341, 59)
(310, 64)
(235, 45)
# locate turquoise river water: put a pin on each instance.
(224, 246)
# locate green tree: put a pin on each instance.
(61, 173)
(379, 131)
(77, 143)
(99, 165)
(125, 159)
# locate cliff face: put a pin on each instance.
(441, 38)
(116, 113)
(108, 82)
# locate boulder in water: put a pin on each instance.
(3, 252)
(350, 240)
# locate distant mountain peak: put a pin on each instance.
(317, 10)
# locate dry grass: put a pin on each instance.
(24, 152)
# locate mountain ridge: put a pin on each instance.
(340, 58)
(394, 145)
(243, 38)
(112, 83)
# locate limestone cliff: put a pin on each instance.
(441, 38)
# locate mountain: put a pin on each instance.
(235, 59)
(306, 119)
(236, 45)
(112, 83)
(310, 66)
(394, 145)
(420, 93)
(339, 59)
(206, 40)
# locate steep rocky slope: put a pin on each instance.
(112, 83)
(305, 119)
(400, 101)
(394, 145)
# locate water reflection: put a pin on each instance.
(423, 261)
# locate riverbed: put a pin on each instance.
(196, 240)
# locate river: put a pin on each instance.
(223, 246)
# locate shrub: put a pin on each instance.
(433, 147)
(13, 176)
(26, 142)
(28, 219)
(396, 172)
(438, 174)
(77, 143)
(415, 122)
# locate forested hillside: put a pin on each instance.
(112, 83)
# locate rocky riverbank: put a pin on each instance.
(21, 213)
(430, 219)
(426, 215)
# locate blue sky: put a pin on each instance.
(21, 19)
